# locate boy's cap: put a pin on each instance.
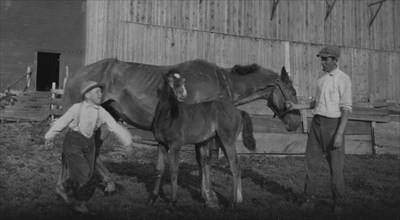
(89, 85)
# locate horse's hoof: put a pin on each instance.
(233, 206)
(172, 204)
(62, 195)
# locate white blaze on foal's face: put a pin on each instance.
(177, 83)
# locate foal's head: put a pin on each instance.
(176, 84)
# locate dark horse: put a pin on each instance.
(177, 124)
(131, 91)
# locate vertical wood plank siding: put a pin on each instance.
(230, 32)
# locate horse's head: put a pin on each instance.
(177, 84)
(283, 91)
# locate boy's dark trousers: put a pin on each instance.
(79, 155)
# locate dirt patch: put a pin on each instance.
(272, 186)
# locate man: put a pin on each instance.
(79, 151)
(331, 110)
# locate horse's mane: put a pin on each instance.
(167, 96)
(243, 70)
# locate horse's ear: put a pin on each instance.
(284, 75)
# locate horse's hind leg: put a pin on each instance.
(162, 155)
(203, 157)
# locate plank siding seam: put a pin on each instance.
(255, 37)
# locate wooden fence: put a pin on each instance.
(272, 138)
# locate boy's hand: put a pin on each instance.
(48, 144)
(129, 150)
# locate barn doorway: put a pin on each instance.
(48, 70)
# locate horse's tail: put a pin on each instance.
(247, 132)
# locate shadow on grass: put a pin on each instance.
(273, 186)
(145, 173)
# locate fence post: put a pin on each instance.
(373, 125)
(66, 76)
(53, 87)
(28, 77)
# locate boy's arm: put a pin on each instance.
(122, 133)
(60, 123)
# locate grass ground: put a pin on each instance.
(272, 186)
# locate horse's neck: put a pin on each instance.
(248, 88)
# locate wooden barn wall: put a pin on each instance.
(242, 32)
(47, 26)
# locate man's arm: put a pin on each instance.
(291, 106)
(338, 140)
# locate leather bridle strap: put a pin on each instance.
(276, 113)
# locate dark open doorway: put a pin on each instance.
(48, 68)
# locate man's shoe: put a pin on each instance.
(61, 193)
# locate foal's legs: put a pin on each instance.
(162, 155)
(174, 170)
(203, 157)
(229, 148)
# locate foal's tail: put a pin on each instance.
(247, 132)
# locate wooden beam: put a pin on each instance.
(274, 6)
(374, 14)
(329, 8)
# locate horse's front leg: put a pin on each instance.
(203, 157)
(162, 155)
(174, 170)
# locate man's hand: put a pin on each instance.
(338, 141)
(289, 105)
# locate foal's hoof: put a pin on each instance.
(212, 204)
(152, 199)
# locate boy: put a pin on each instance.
(79, 151)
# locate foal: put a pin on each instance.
(177, 124)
